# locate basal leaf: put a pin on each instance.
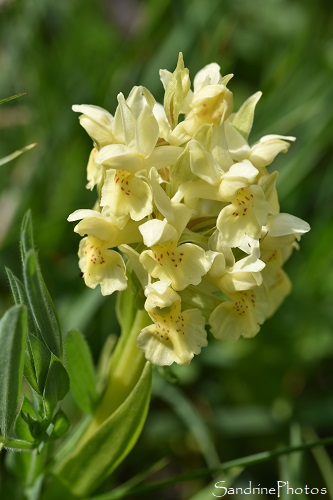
(13, 330)
(80, 368)
(97, 456)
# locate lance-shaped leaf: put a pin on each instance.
(96, 457)
(25, 421)
(16, 153)
(13, 329)
(80, 368)
(26, 236)
(17, 288)
(41, 304)
(56, 386)
(20, 297)
(37, 363)
(10, 98)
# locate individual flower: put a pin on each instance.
(244, 216)
(174, 337)
(105, 227)
(101, 266)
(166, 260)
(241, 315)
(125, 193)
(136, 133)
(211, 102)
(243, 274)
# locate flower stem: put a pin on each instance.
(126, 367)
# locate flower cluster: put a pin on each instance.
(187, 204)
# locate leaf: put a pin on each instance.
(97, 456)
(80, 368)
(6, 99)
(40, 303)
(27, 416)
(26, 236)
(56, 386)
(13, 330)
(16, 153)
(29, 370)
(61, 424)
(40, 357)
(17, 288)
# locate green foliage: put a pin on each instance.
(40, 302)
(13, 329)
(103, 451)
(81, 371)
(29, 332)
(31, 345)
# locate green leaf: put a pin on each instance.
(97, 456)
(20, 296)
(60, 423)
(41, 304)
(6, 99)
(26, 237)
(15, 154)
(17, 288)
(29, 371)
(24, 421)
(39, 358)
(80, 368)
(13, 330)
(56, 386)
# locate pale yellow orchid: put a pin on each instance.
(193, 208)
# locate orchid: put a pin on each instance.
(188, 211)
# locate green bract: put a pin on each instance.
(193, 210)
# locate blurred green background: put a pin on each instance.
(234, 399)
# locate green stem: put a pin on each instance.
(126, 367)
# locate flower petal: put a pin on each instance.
(97, 122)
